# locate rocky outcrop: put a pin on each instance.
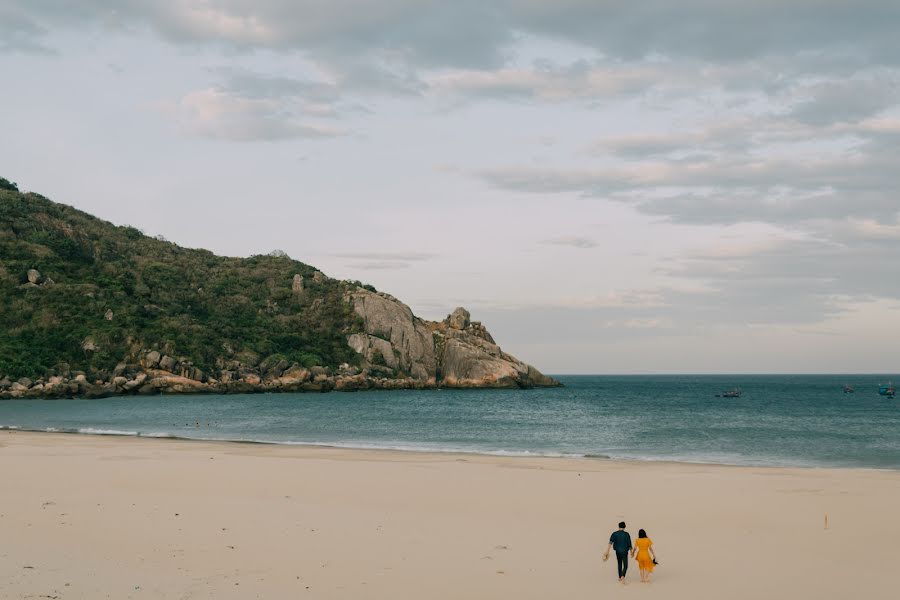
(397, 350)
(393, 336)
(456, 352)
(297, 284)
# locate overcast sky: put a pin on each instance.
(611, 187)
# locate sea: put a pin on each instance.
(779, 420)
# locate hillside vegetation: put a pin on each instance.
(79, 293)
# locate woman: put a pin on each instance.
(646, 557)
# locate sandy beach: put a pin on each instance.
(115, 517)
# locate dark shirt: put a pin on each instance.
(620, 540)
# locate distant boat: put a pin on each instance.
(848, 389)
(887, 389)
(735, 393)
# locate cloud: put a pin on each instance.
(219, 114)
(575, 241)
(383, 261)
(469, 32)
(20, 34)
(546, 82)
(848, 100)
(378, 265)
(389, 256)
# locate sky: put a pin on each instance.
(701, 186)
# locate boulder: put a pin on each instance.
(34, 276)
(297, 284)
(251, 378)
(108, 315)
(456, 352)
(294, 374)
(135, 383)
(89, 345)
(167, 363)
(151, 360)
(459, 318)
(25, 382)
(393, 332)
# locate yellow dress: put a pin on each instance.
(644, 560)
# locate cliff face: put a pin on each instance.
(455, 352)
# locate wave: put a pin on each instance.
(387, 446)
(93, 431)
(714, 459)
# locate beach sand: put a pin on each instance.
(115, 517)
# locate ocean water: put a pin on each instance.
(781, 420)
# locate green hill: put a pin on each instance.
(79, 293)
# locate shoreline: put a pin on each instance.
(164, 383)
(450, 453)
(88, 516)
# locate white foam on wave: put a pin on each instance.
(93, 431)
(398, 447)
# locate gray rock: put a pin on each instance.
(401, 338)
(89, 345)
(295, 374)
(297, 284)
(25, 382)
(108, 315)
(454, 353)
(151, 360)
(167, 363)
(137, 382)
(34, 276)
(459, 318)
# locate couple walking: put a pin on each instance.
(620, 541)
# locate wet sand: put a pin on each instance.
(116, 517)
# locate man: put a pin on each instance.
(620, 541)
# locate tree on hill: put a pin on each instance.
(81, 291)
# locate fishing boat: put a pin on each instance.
(887, 389)
(735, 393)
(848, 389)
